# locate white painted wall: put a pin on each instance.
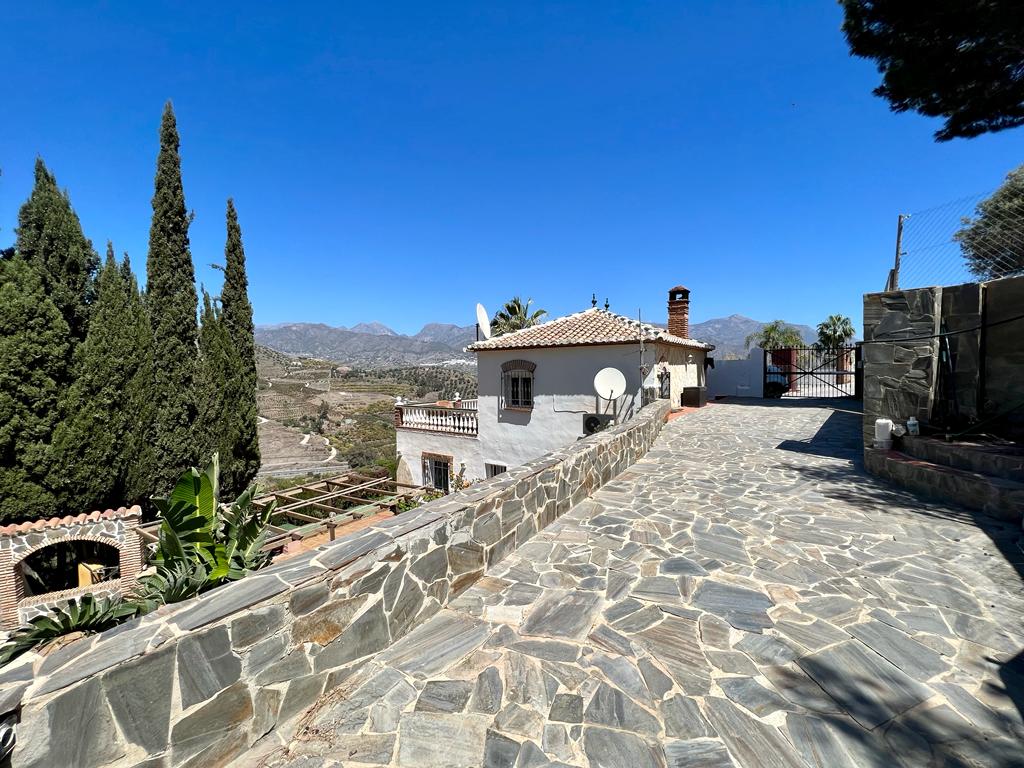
(738, 378)
(412, 444)
(563, 392)
(686, 368)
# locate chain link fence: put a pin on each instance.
(975, 238)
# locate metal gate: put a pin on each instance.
(812, 372)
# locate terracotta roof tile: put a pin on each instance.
(55, 522)
(593, 326)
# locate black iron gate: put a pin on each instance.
(812, 372)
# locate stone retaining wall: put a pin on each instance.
(197, 683)
(899, 377)
(902, 378)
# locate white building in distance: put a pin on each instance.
(536, 392)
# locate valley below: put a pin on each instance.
(326, 394)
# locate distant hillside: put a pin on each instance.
(374, 345)
(374, 329)
(729, 334)
(459, 336)
(376, 349)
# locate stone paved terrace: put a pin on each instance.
(744, 595)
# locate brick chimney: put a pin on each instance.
(679, 312)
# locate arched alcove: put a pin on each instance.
(40, 560)
(68, 564)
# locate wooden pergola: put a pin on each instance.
(323, 505)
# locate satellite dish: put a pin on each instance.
(609, 383)
(483, 321)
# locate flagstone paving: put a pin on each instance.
(742, 596)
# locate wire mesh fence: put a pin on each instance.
(980, 237)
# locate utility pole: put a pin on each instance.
(899, 251)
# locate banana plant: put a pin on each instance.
(245, 529)
(170, 583)
(202, 539)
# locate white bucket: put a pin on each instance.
(883, 434)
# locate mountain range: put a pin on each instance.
(370, 345)
(375, 345)
(729, 334)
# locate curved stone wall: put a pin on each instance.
(197, 683)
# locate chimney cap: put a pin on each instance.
(679, 289)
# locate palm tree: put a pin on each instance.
(835, 331)
(775, 335)
(515, 316)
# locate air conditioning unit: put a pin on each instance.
(595, 422)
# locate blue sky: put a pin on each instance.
(401, 161)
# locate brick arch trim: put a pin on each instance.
(518, 365)
(108, 540)
(12, 583)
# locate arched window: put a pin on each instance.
(517, 384)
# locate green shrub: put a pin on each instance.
(87, 614)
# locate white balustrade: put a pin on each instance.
(432, 418)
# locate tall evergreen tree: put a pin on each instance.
(218, 388)
(33, 363)
(137, 477)
(96, 447)
(236, 315)
(172, 302)
(50, 237)
(993, 241)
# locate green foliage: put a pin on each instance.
(101, 457)
(958, 60)
(515, 316)
(407, 503)
(835, 331)
(775, 335)
(219, 388)
(50, 238)
(172, 302)
(138, 451)
(413, 381)
(34, 351)
(170, 584)
(370, 440)
(993, 241)
(86, 614)
(236, 316)
(201, 541)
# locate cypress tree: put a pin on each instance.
(218, 387)
(172, 302)
(138, 451)
(236, 315)
(34, 352)
(96, 447)
(50, 237)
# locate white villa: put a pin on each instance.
(536, 392)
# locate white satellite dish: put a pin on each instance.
(609, 383)
(483, 321)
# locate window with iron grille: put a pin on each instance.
(437, 472)
(494, 469)
(517, 383)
